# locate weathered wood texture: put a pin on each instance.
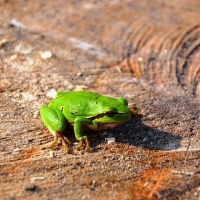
(146, 51)
(158, 40)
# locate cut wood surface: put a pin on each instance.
(145, 51)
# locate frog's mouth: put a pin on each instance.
(112, 117)
(103, 115)
(109, 114)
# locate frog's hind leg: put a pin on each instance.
(55, 142)
(64, 139)
(55, 121)
(80, 135)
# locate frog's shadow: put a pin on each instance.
(136, 133)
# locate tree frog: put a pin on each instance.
(82, 110)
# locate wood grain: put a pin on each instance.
(145, 51)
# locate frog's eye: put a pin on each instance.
(123, 101)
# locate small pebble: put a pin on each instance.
(140, 59)
(37, 178)
(16, 23)
(3, 42)
(80, 87)
(110, 140)
(29, 97)
(51, 154)
(31, 187)
(52, 93)
(79, 74)
(45, 54)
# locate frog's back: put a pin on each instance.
(81, 103)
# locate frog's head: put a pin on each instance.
(117, 111)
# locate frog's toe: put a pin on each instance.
(88, 149)
(81, 145)
(84, 143)
(54, 144)
(87, 144)
(67, 149)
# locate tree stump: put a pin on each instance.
(145, 51)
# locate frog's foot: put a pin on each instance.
(64, 140)
(84, 143)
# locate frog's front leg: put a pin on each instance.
(55, 121)
(78, 130)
